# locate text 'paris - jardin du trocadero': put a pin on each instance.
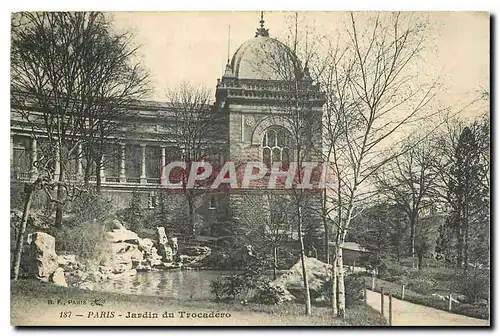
(180, 175)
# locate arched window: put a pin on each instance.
(276, 146)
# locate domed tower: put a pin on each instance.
(255, 93)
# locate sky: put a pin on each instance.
(193, 46)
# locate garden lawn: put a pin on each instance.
(30, 306)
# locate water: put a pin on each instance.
(181, 284)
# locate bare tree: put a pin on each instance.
(410, 181)
(44, 181)
(70, 75)
(196, 134)
(371, 94)
(299, 102)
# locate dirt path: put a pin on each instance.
(409, 314)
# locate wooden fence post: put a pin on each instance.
(402, 292)
(449, 302)
(373, 283)
(390, 309)
(382, 300)
(365, 295)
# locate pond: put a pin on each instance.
(181, 284)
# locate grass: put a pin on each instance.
(30, 295)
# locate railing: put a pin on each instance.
(24, 176)
(17, 175)
(155, 180)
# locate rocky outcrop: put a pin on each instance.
(42, 257)
(42, 261)
(196, 250)
(174, 245)
(58, 277)
(126, 255)
(122, 235)
(318, 274)
(151, 258)
(164, 248)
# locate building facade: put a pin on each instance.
(262, 91)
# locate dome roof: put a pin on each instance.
(261, 58)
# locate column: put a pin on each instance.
(11, 149)
(123, 177)
(102, 172)
(34, 157)
(79, 166)
(163, 163)
(143, 163)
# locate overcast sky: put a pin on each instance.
(193, 46)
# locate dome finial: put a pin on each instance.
(262, 31)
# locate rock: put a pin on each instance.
(130, 250)
(146, 245)
(143, 267)
(321, 300)
(164, 250)
(196, 250)
(42, 258)
(174, 245)
(116, 225)
(58, 277)
(64, 260)
(317, 275)
(440, 297)
(87, 285)
(154, 258)
(122, 235)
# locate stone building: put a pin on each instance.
(258, 102)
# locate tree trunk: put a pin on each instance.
(98, 182)
(303, 261)
(412, 240)
(20, 237)
(190, 200)
(275, 261)
(59, 197)
(459, 236)
(334, 286)
(327, 238)
(466, 237)
(420, 260)
(86, 175)
(340, 283)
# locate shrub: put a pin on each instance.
(227, 288)
(421, 284)
(87, 240)
(90, 206)
(354, 289)
(240, 285)
(354, 285)
(267, 293)
(134, 214)
(474, 284)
